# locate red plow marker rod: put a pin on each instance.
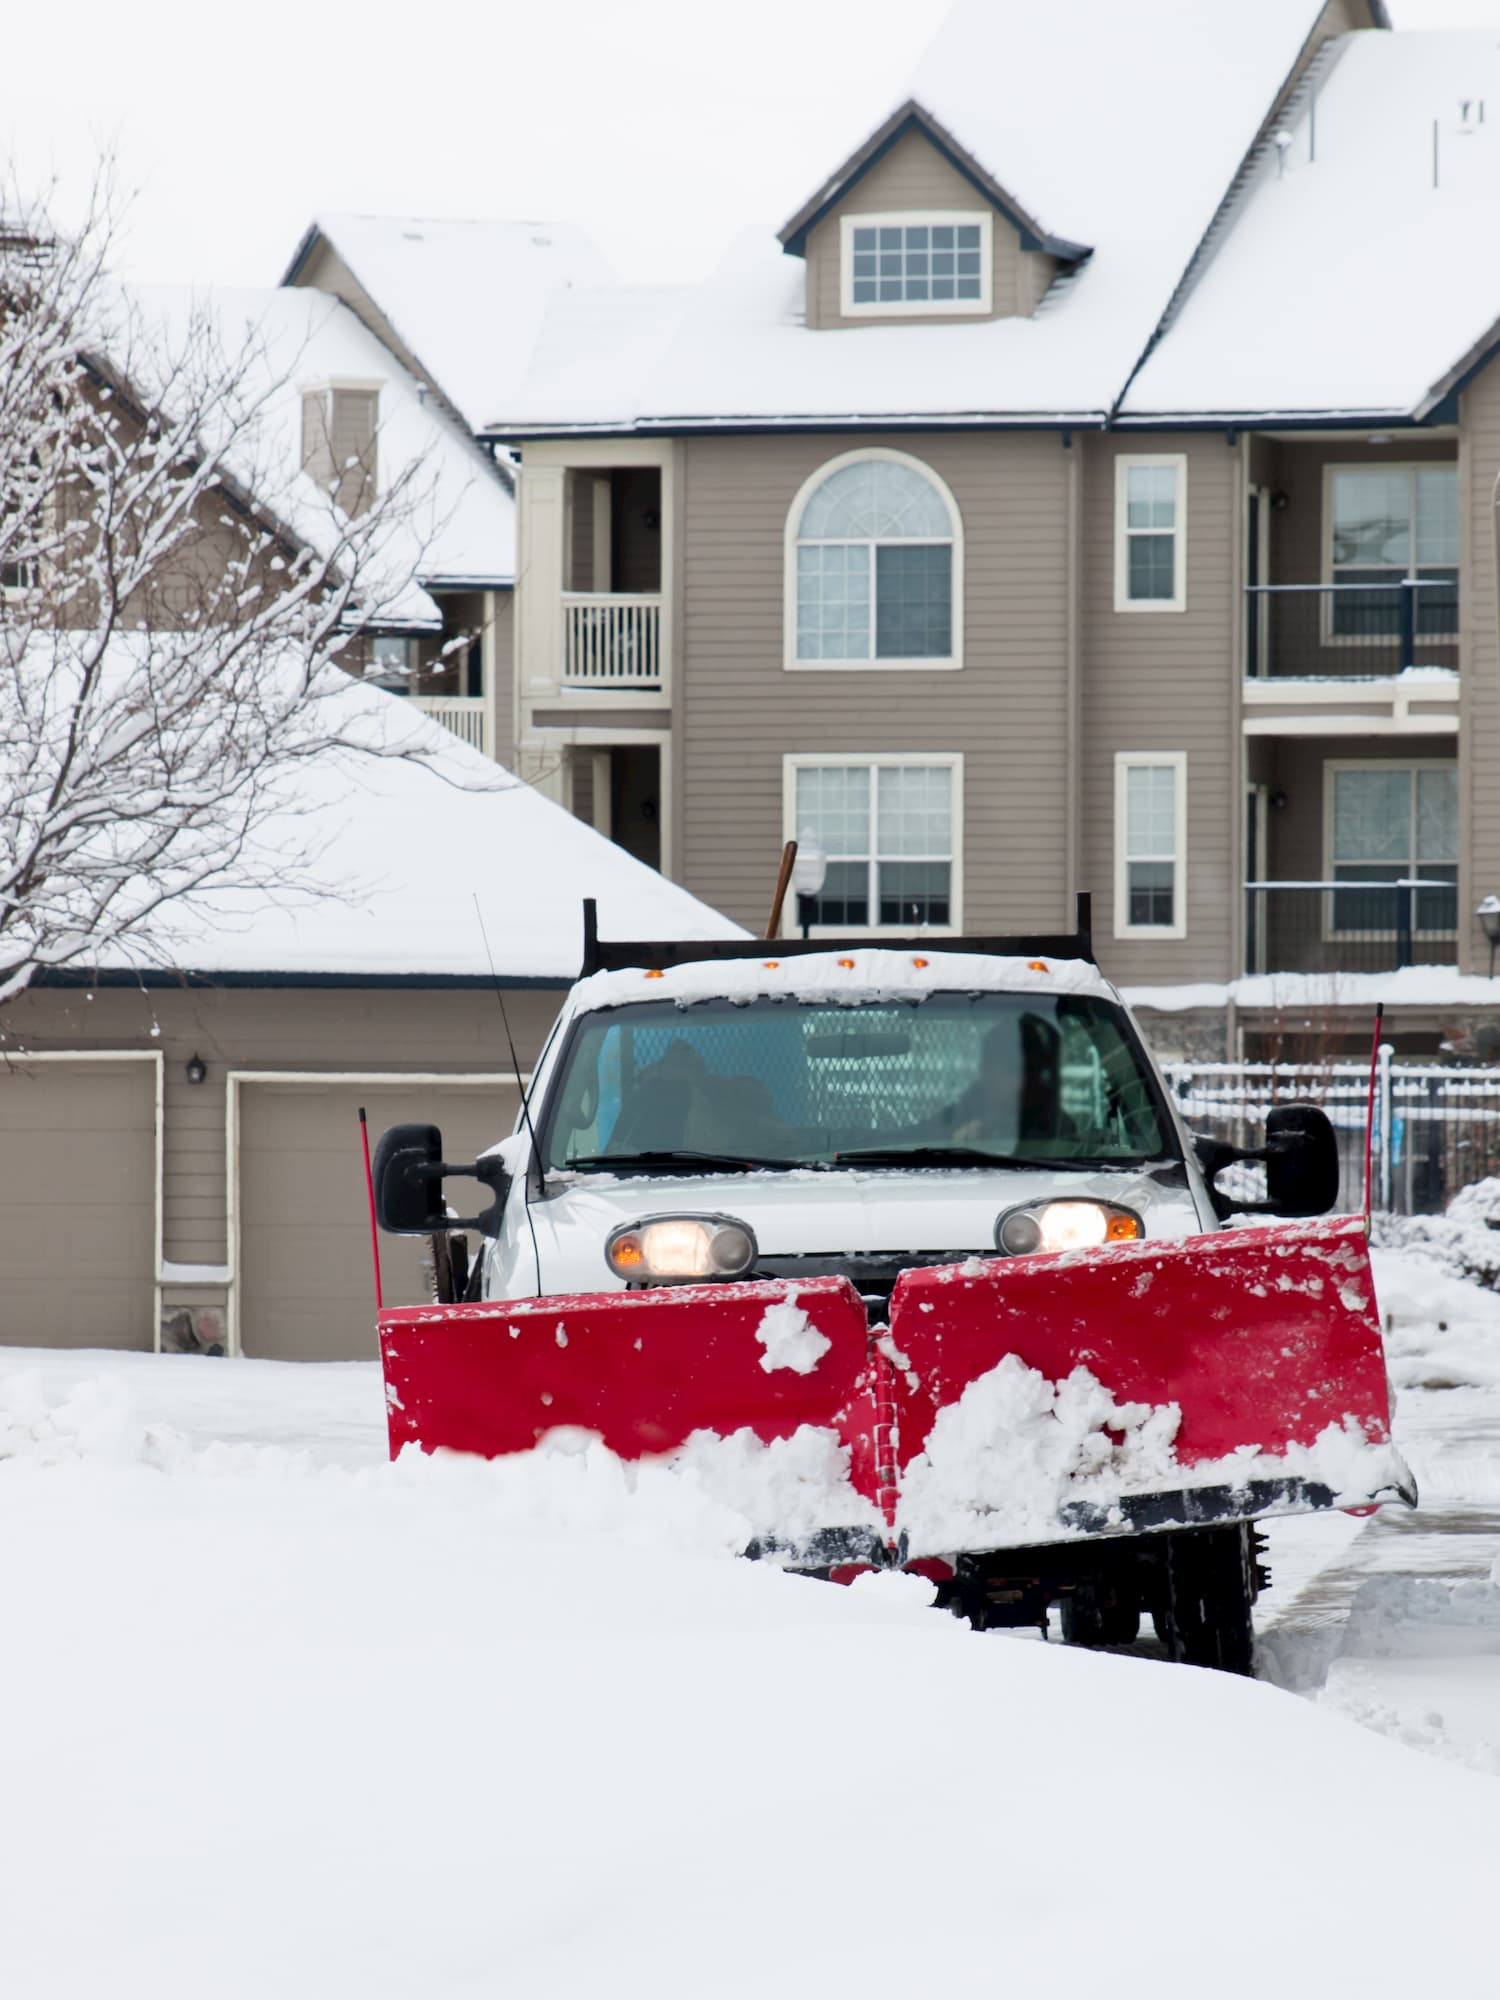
(364, 1133)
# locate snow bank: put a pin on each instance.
(1464, 1241)
(330, 1731)
(1419, 1660)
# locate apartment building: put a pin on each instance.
(1089, 487)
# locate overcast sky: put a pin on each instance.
(661, 125)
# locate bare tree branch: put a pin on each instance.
(175, 599)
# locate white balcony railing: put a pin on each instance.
(463, 714)
(611, 640)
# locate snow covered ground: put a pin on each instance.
(277, 1717)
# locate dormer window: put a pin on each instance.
(340, 442)
(905, 264)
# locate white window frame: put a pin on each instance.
(1409, 466)
(1126, 461)
(1410, 765)
(793, 665)
(1126, 761)
(878, 760)
(919, 218)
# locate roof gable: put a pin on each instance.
(914, 117)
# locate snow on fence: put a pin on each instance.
(1437, 1128)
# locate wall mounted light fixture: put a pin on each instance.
(197, 1068)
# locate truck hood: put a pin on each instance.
(802, 1213)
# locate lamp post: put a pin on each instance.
(1488, 914)
(810, 871)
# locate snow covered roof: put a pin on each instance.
(461, 526)
(466, 299)
(1119, 128)
(396, 852)
(1365, 283)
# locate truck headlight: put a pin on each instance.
(1065, 1225)
(679, 1249)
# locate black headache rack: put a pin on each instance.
(617, 955)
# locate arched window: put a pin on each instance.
(874, 578)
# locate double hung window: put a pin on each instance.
(889, 827)
(1393, 527)
(907, 264)
(1151, 532)
(1150, 846)
(1392, 826)
(874, 574)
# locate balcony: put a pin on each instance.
(1315, 631)
(611, 640)
(1351, 926)
(463, 714)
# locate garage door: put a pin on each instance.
(77, 1204)
(306, 1292)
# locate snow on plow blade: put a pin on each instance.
(1014, 1401)
(1154, 1384)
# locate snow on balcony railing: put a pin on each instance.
(463, 714)
(611, 640)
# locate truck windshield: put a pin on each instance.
(1023, 1076)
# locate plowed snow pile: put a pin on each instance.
(341, 1731)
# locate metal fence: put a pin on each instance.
(1437, 1128)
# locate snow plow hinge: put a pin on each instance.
(617, 954)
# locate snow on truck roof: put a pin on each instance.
(844, 976)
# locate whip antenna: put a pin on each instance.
(515, 1063)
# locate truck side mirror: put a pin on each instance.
(409, 1180)
(1301, 1157)
(409, 1170)
(1302, 1160)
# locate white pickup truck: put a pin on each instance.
(905, 1132)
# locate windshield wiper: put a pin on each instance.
(722, 1163)
(968, 1156)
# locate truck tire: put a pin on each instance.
(1101, 1612)
(1205, 1596)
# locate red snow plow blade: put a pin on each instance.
(1227, 1376)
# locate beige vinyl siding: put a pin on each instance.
(1160, 681)
(740, 711)
(275, 1028)
(914, 176)
(1479, 652)
(352, 440)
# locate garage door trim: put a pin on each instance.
(313, 1078)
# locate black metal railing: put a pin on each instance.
(1351, 925)
(1333, 630)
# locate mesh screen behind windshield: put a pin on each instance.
(1029, 1074)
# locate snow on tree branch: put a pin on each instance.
(175, 596)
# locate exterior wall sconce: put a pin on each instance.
(1277, 800)
(1488, 914)
(197, 1068)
